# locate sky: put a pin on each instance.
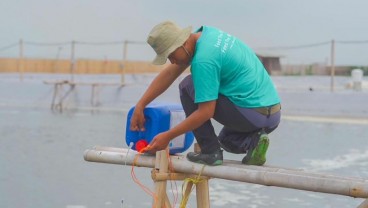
(270, 27)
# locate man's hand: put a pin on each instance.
(137, 121)
(159, 142)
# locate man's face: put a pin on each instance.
(180, 56)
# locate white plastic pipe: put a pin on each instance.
(234, 170)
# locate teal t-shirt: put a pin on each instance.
(222, 64)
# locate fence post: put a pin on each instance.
(332, 65)
(20, 61)
(72, 62)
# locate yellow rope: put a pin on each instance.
(195, 180)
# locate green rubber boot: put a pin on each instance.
(257, 153)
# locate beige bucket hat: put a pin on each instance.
(165, 38)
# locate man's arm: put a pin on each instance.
(159, 85)
(204, 112)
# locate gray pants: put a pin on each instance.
(239, 123)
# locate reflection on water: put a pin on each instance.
(41, 153)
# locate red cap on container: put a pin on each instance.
(140, 145)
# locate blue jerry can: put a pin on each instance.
(159, 117)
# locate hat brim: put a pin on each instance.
(161, 59)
